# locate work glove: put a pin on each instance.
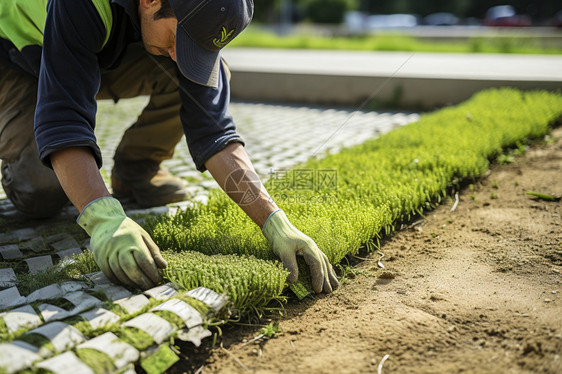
(287, 242)
(122, 249)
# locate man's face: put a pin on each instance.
(159, 37)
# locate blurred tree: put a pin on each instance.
(270, 11)
(329, 11)
(461, 8)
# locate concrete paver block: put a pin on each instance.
(72, 286)
(66, 363)
(52, 291)
(193, 335)
(7, 237)
(120, 352)
(158, 328)
(82, 301)
(22, 317)
(36, 245)
(62, 336)
(190, 316)
(11, 297)
(39, 263)
(65, 243)
(100, 317)
(7, 277)
(162, 292)
(209, 297)
(132, 304)
(155, 210)
(17, 355)
(26, 233)
(98, 278)
(203, 199)
(10, 252)
(53, 313)
(69, 253)
(113, 292)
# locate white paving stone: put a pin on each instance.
(190, 316)
(69, 253)
(36, 245)
(72, 286)
(120, 352)
(62, 336)
(209, 297)
(10, 252)
(194, 335)
(52, 291)
(24, 234)
(158, 328)
(6, 237)
(17, 355)
(132, 304)
(82, 301)
(22, 317)
(51, 312)
(100, 317)
(40, 263)
(11, 297)
(113, 292)
(66, 363)
(162, 292)
(7, 277)
(129, 369)
(98, 278)
(68, 242)
(155, 210)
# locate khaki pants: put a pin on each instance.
(34, 188)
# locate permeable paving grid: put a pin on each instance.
(277, 138)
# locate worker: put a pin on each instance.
(58, 56)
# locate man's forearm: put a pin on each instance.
(234, 172)
(78, 174)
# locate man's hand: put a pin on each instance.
(122, 249)
(287, 242)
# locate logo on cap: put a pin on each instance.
(223, 40)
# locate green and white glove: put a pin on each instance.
(287, 242)
(122, 249)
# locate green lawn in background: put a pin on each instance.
(258, 38)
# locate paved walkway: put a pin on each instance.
(399, 64)
(403, 78)
(277, 136)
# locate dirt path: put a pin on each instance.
(474, 290)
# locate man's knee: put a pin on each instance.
(33, 188)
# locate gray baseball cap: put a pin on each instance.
(204, 28)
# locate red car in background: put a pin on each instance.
(505, 16)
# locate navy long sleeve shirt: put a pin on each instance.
(72, 59)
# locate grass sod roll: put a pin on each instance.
(379, 182)
(250, 283)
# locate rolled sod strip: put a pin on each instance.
(377, 184)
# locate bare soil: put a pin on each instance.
(476, 289)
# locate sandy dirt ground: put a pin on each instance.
(475, 290)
